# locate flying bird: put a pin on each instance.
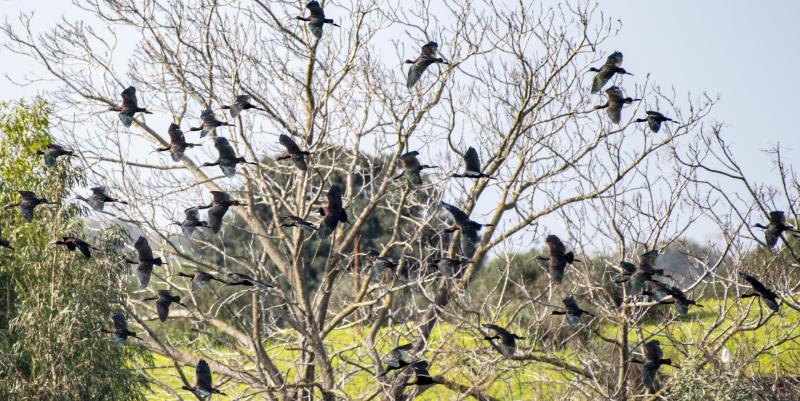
(653, 356)
(129, 107)
(28, 201)
(241, 103)
(449, 267)
(333, 213)
(638, 275)
(145, 261)
(295, 221)
(558, 256)
(177, 143)
(508, 340)
(760, 290)
(469, 229)
(427, 56)
(423, 378)
(245, 280)
(654, 120)
(191, 221)
(52, 153)
(293, 152)
(572, 311)
(200, 279)
(99, 198)
(204, 384)
(775, 228)
(681, 301)
(74, 243)
(613, 65)
(616, 100)
(163, 301)
(472, 166)
(4, 243)
(120, 333)
(227, 159)
(209, 123)
(219, 205)
(316, 19)
(412, 168)
(398, 358)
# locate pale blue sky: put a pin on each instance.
(747, 54)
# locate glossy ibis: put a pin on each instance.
(333, 213)
(200, 279)
(398, 358)
(572, 311)
(558, 256)
(191, 221)
(145, 262)
(204, 384)
(469, 229)
(245, 280)
(218, 207)
(129, 107)
(52, 153)
(639, 275)
(73, 243)
(209, 123)
(427, 56)
(28, 201)
(163, 302)
(613, 65)
(293, 152)
(681, 301)
(295, 221)
(316, 18)
(241, 103)
(508, 340)
(227, 159)
(654, 120)
(760, 290)
(775, 228)
(412, 168)
(99, 198)
(177, 143)
(120, 333)
(653, 360)
(616, 100)
(472, 166)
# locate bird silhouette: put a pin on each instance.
(241, 103)
(177, 143)
(200, 279)
(775, 228)
(293, 152)
(427, 56)
(558, 257)
(412, 168)
(74, 243)
(508, 340)
(227, 159)
(28, 201)
(469, 229)
(613, 65)
(163, 301)
(120, 333)
(52, 153)
(316, 19)
(654, 120)
(572, 311)
(472, 166)
(760, 290)
(333, 213)
(209, 123)
(616, 100)
(203, 387)
(219, 205)
(98, 199)
(129, 107)
(145, 261)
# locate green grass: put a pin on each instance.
(470, 358)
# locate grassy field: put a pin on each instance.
(471, 358)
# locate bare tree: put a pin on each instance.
(514, 87)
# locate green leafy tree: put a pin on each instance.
(53, 302)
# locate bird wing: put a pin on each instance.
(315, 9)
(648, 259)
(601, 78)
(203, 375)
(143, 272)
(555, 246)
(316, 28)
(777, 217)
(143, 248)
(472, 161)
(415, 72)
(120, 323)
(27, 195)
(220, 197)
(397, 356)
(175, 134)
(458, 215)
(224, 148)
(300, 162)
(83, 247)
(334, 197)
(654, 123)
(570, 303)
(215, 215)
(615, 59)
(430, 50)
(289, 144)
(129, 100)
(636, 282)
(192, 214)
(627, 266)
(162, 309)
(652, 351)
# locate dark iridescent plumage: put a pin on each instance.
(227, 159)
(177, 143)
(241, 103)
(412, 168)
(508, 340)
(294, 152)
(654, 120)
(775, 228)
(129, 107)
(616, 100)
(163, 301)
(769, 297)
(316, 19)
(145, 262)
(218, 207)
(333, 213)
(204, 384)
(209, 123)
(52, 153)
(606, 71)
(469, 229)
(558, 256)
(426, 57)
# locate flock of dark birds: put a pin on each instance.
(641, 278)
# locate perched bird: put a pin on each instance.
(163, 302)
(209, 123)
(28, 201)
(653, 361)
(558, 256)
(177, 143)
(426, 57)
(73, 243)
(241, 103)
(638, 276)
(775, 228)
(146, 261)
(5, 244)
(293, 152)
(120, 332)
(468, 228)
(295, 221)
(200, 279)
(423, 378)
(606, 71)
(99, 198)
(191, 221)
(654, 120)
(508, 340)
(333, 213)
(245, 280)
(129, 107)
(448, 267)
(760, 290)
(218, 207)
(203, 387)
(681, 301)
(398, 358)
(316, 19)
(616, 100)
(572, 311)
(472, 166)
(52, 153)
(227, 159)
(412, 168)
